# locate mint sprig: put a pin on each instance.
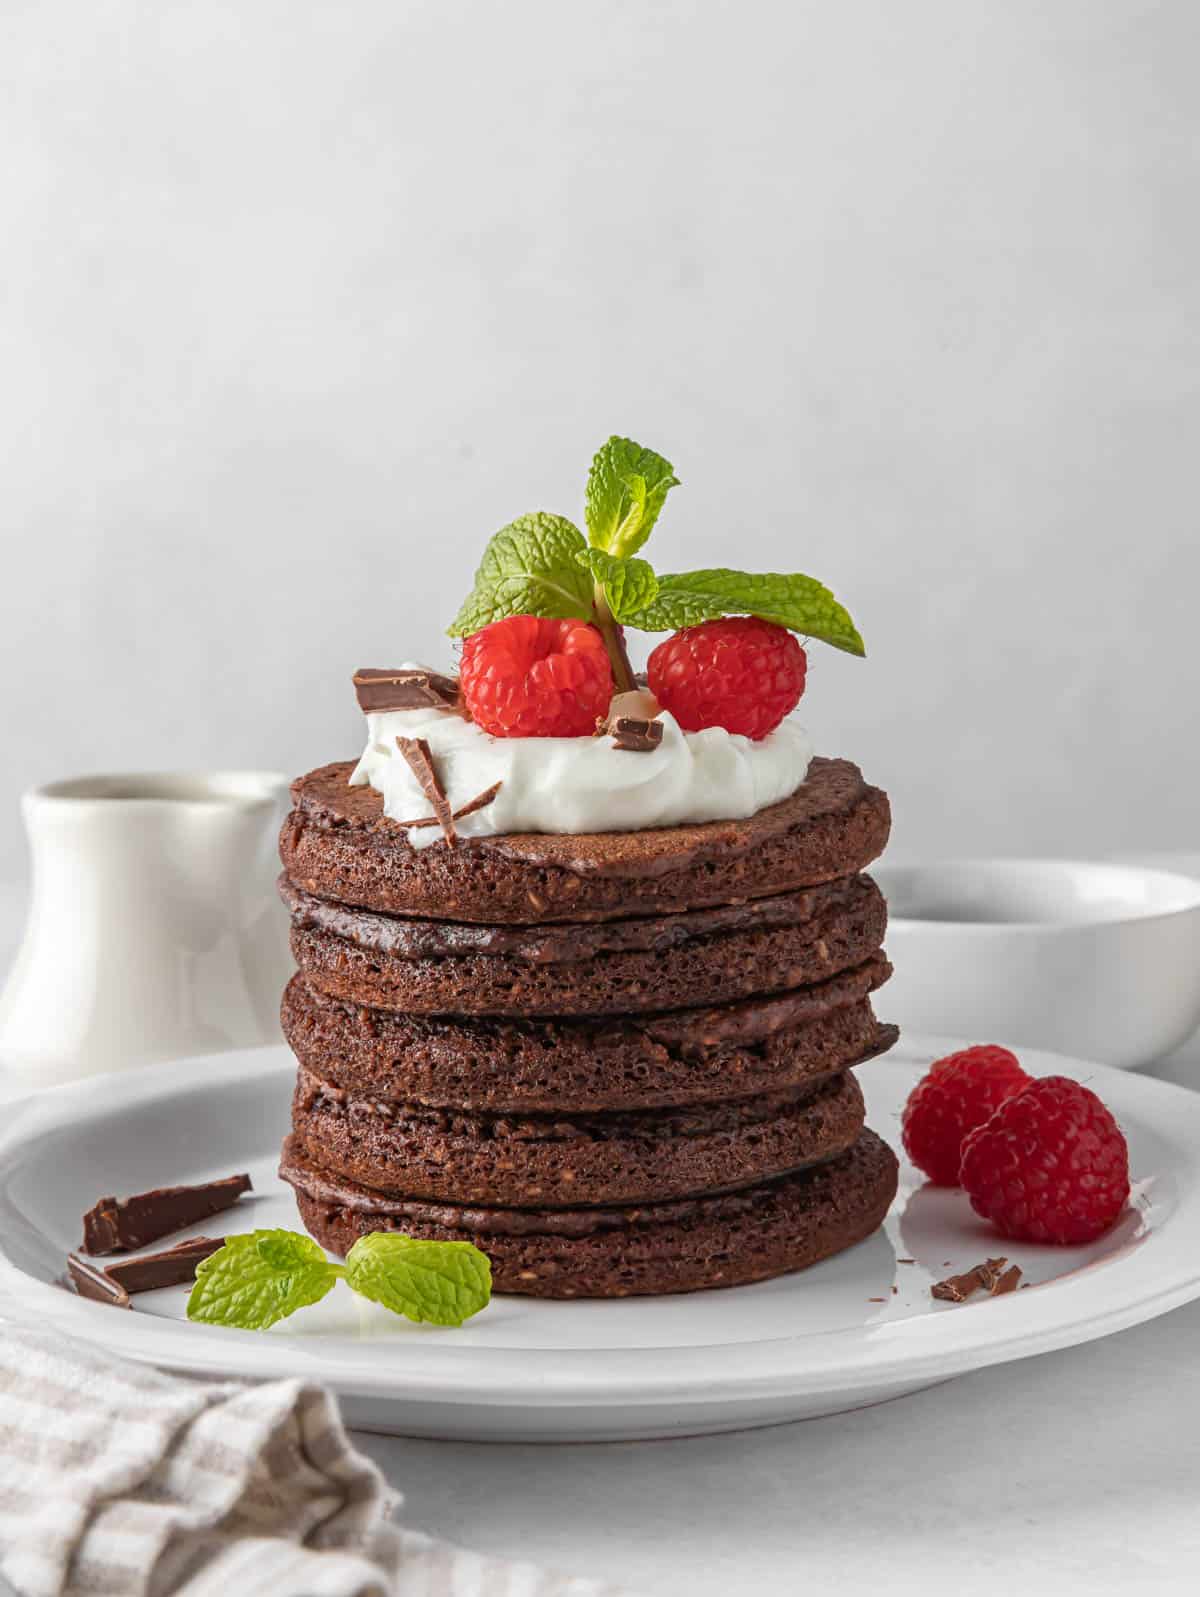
(629, 586)
(441, 1282)
(263, 1276)
(626, 488)
(800, 603)
(528, 568)
(542, 565)
(259, 1278)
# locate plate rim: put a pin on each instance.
(1068, 1311)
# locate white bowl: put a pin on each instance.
(1098, 961)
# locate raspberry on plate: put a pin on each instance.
(527, 676)
(1051, 1165)
(740, 673)
(957, 1094)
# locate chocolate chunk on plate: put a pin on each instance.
(989, 1276)
(119, 1225)
(172, 1267)
(91, 1282)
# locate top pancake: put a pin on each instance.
(337, 843)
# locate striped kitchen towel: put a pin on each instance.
(119, 1481)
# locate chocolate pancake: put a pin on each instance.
(337, 843)
(728, 1240)
(614, 967)
(636, 1062)
(550, 1160)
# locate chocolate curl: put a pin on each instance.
(404, 690)
(417, 753)
(479, 802)
(118, 1225)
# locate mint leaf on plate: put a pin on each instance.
(443, 1283)
(626, 488)
(259, 1278)
(528, 568)
(800, 603)
(629, 585)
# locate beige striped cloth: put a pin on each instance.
(119, 1481)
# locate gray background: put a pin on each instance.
(301, 301)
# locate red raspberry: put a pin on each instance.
(957, 1094)
(741, 673)
(1051, 1165)
(527, 677)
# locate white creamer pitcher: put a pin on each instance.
(154, 928)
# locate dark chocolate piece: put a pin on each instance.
(634, 734)
(173, 1267)
(417, 753)
(479, 802)
(1006, 1282)
(118, 1225)
(404, 690)
(958, 1288)
(90, 1282)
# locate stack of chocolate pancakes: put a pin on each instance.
(619, 1063)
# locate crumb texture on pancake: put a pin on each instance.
(552, 1160)
(556, 1063)
(763, 1231)
(336, 843)
(763, 954)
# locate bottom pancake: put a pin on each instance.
(784, 1224)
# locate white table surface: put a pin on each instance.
(1077, 1472)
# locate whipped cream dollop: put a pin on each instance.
(579, 784)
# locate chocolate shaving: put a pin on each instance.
(633, 733)
(1007, 1282)
(173, 1267)
(404, 690)
(118, 1225)
(479, 802)
(90, 1282)
(958, 1288)
(420, 762)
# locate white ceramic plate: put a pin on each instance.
(855, 1330)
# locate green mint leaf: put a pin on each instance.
(629, 585)
(528, 568)
(259, 1278)
(797, 602)
(626, 488)
(444, 1283)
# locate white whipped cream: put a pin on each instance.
(580, 784)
